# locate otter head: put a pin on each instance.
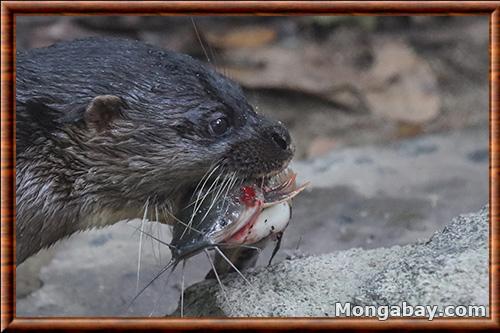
(113, 129)
(177, 124)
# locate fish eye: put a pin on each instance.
(219, 126)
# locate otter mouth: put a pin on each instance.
(280, 187)
(267, 208)
(244, 214)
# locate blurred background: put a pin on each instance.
(389, 116)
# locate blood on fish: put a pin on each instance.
(248, 195)
(241, 235)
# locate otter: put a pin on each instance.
(105, 125)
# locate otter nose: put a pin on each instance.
(281, 137)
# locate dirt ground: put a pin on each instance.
(392, 112)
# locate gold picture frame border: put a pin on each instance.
(9, 10)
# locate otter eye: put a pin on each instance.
(219, 126)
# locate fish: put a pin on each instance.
(246, 215)
(231, 217)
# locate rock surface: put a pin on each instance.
(449, 269)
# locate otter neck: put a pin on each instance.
(48, 209)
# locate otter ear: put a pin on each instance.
(102, 110)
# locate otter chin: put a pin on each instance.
(107, 127)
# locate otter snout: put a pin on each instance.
(278, 149)
(281, 139)
(268, 149)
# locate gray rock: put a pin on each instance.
(449, 269)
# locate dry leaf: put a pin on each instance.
(242, 37)
(321, 146)
(399, 84)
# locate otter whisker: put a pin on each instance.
(205, 177)
(189, 227)
(233, 266)
(222, 187)
(182, 286)
(222, 171)
(233, 185)
(199, 193)
(217, 275)
(212, 51)
(228, 186)
(212, 188)
(168, 214)
(157, 233)
(149, 227)
(216, 181)
(225, 184)
(211, 169)
(202, 183)
(155, 238)
(140, 244)
(199, 40)
(233, 181)
(180, 221)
